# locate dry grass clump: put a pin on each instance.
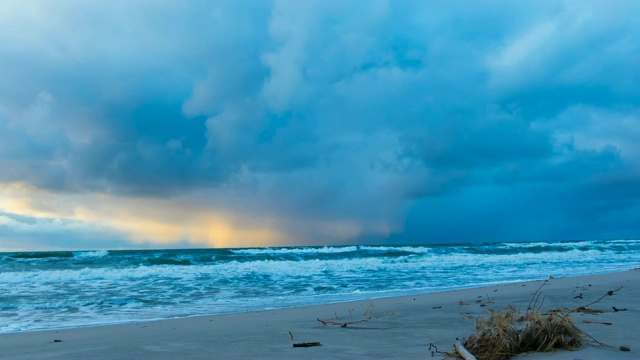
(508, 333)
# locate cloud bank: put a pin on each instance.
(146, 123)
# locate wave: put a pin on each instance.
(296, 250)
(398, 249)
(142, 284)
(569, 244)
(90, 254)
(547, 247)
(41, 255)
(547, 243)
(168, 261)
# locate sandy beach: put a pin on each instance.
(393, 328)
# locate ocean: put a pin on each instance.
(51, 290)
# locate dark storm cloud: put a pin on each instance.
(434, 121)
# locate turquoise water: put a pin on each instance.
(47, 290)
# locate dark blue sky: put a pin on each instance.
(129, 124)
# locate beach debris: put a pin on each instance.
(461, 303)
(615, 309)
(578, 296)
(596, 322)
(436, 351)
(624, 348)
(57, 340)
(342, 324)
(466, 355)
(367, 316)
(436, 307)
(307, 344)
(535, 296)
(510, 332)
(580, 309)
(291, 335)
(583, 309)
(369, 309)
(485, 303)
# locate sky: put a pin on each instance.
(170, 124)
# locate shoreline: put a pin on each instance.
(388, 327)
(232, 312)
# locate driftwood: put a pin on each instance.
(309, 344)
(466, 355)
(597, 322)
(342, 324)
(436, 351)
(609, 293)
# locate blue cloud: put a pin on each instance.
(514, 120)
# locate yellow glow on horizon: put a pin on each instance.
(15, 199)
(179, 221)
(144, 220)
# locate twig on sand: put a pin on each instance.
(436, 351)
(583, 309)
(308, 344)
(597, 322)
(369, 309)
(342, 324)
(535, 297)
(609, 293)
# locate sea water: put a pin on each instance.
(48, 290)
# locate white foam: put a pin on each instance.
(543, 244)
(90, 254)
(408, 249)
(304, 250)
